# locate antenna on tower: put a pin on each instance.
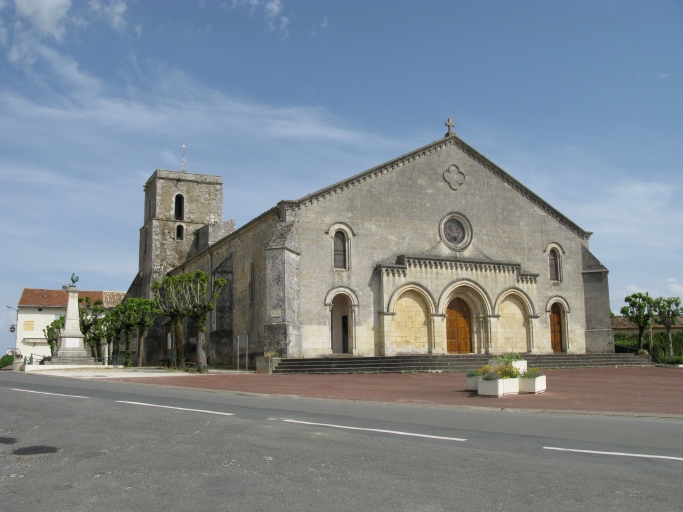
(183, 166)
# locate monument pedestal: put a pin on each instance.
(70, 348)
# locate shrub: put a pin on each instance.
(473, 373)
(674, 360)
(6, 360)
(643, 352)
(508, 357)
(510, 372)
(501, 369)
(491, 375)
(532, 373)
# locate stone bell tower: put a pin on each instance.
(183, 215)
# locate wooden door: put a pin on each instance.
(458, 327)
(556, 327)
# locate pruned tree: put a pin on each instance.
(91, 315)
(667, 312)
(199, 299)
(169, 298)
(113, 328)
(640, 312)
(52, 331)
(135, 314)
(146, 311)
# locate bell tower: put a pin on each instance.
(178, 205)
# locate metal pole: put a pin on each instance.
(246, 353)
(238, 352)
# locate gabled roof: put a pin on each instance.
(41, 298)
(438, 145)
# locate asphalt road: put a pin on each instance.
(229, 451)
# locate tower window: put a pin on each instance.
(339, 250)
(179, 207)
(554, 263)
(179, 233)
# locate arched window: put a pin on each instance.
(554, 263)
(252, 284)
(339, 250)
(179, 232)
(179, 207)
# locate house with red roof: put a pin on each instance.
(38, 308)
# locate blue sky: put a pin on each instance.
(581, 101)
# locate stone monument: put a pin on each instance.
(70, 347)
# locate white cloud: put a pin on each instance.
(138, 30)
(46, 16)
(113, 12)
(662, 75)
(273, 8)
(676, 289)
(324, 24)
(273, 12)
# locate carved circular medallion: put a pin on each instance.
(454, 176)
(455, 231)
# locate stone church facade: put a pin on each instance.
(437, 251)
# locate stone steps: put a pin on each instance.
(448, 363)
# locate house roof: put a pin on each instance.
(41, 298)
(438, 145)
(621, 323)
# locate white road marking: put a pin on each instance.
(618, 454)
(395, 432)
(176, 408)
(46, 393)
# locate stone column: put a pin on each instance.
(70, 344)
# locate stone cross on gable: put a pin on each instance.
(450, 125)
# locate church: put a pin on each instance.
(438, 251)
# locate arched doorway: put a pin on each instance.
(556, 340)
(458, 327)
(341, 325)
(513, 333)
(411, 324)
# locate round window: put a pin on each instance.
(456, 231)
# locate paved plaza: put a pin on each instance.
(642, 390)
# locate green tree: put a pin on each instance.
(52, 331)
(91, 315)
(169, 298)
(113, 328)
(199, 299)
(135, 314)
(668, 311)
(639, 311)
(146, 311)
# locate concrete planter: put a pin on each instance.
(18, 365)
(490, 387)
(511, 386)
(473, 383)
(536, 385)
(520, 365)
(267, 364)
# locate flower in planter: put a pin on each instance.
(510, 372)
(491, 375)
(532, 373)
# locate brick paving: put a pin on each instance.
(641, 390)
